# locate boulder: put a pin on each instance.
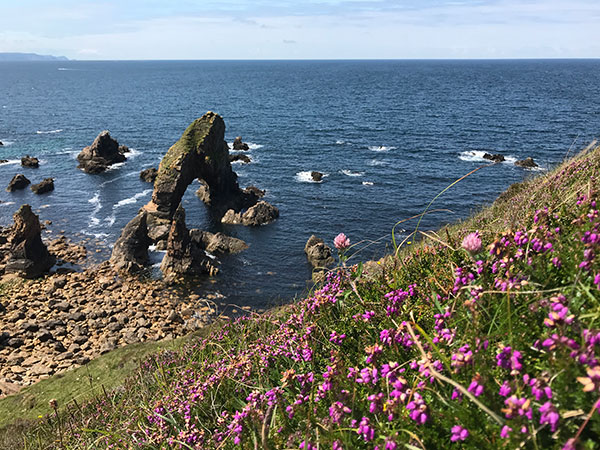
(130, 253)
(184, 256)
(260, 214)
(528, 163)
(217, 242)
(103, 152)
(244, 159)
(256, 192)
(232, 218)
(28, 256)
(496, 157)
(30, 161)
(316, 176)
(319, 255)
(19, 181)
(3, 161)
(149, 175)
(46, 185)
(239, 145)
(1, 143)
(124, 149)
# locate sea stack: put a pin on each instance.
(27, 255)
(104, 152)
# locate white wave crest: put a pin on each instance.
(254, 146)
(132, 153)
(349, 173)
(7, 143)
(115, 166)
(110, 221)
(7, 203)
(306, 177)
(477, 156)
(134, 199)
(381, 148)
(376, 162)
(49, 132)
(95, 200)
(340, 142)
(367, 183)
(11, 161)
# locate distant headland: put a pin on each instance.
(30, 57)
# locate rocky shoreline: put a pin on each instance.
(62, 321)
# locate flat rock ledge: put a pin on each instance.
(61, 321)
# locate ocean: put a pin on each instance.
(388, 135)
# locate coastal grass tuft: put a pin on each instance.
(483, 335)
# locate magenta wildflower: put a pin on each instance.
(459, 433)
(365, 430)
(472, 243)
(505, 432)
(341, 242)
(549, 415)
(475, 388)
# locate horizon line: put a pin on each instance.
(508, 58)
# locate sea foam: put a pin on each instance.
(381, 148)
(477, 156)
(306, 177)
(49, 131)
(350, 173)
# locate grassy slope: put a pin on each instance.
(495, 348)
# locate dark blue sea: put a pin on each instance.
(389, 135)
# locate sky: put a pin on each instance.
(308, 29)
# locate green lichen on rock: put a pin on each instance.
(192, 140)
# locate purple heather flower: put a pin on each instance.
(472, 243)
(365, 430)
(505, 389)
(337, 445)
(459, 433)
(341, 242)
(549, 415)
(475, 388)
(509, 359)
(505, 433)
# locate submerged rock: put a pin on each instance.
(244, 159)
(27, 255)
(319, 255)
(44, 186)
(30, 161)
(239, 145)
(528, 163)
(103, 152)
(130, 253)
(149, 175)
(316, 176)
(496, 157)
(19, 181)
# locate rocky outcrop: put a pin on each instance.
(130, 253)
(30, 161)
(27, 255)
(1, 144)
(244, 159)
(149, 175)
(316, 176)
(19, 181)
(319, 255)
(262, 213)
(527, 163)
(3, 161)
(103, 152)
(201, 153)
(184, 256)
(44, 186)
(239, 145)
(217, 243)
(496, 157)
